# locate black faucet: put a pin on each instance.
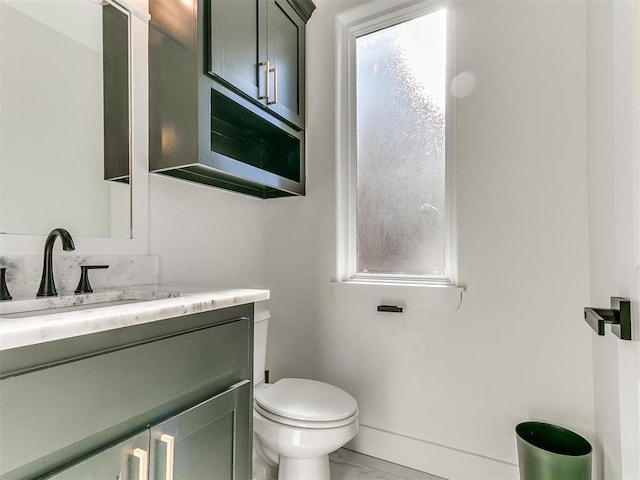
(47, 285)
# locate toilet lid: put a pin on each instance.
(308, 400)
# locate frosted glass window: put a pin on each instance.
(401, 225)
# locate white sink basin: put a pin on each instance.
(71, 303)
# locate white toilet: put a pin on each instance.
(296, 422)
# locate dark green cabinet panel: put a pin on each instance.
(237, 44)
(127, 460)
(210, 440)
(115, 59)
(286, 51)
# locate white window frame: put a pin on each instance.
(351, 24)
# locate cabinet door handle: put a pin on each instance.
(275, 86)
(142, 457)
(170, 441)
(265, 64)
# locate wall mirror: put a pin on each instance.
(65, 117)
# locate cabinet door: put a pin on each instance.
(285, 45)
(237, 44)
(209, 441)
(128, 460)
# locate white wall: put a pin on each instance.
(442, 391)
(205, 236)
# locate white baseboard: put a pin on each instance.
(429, 457)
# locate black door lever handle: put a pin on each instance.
(618, 316)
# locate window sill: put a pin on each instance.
(407, 295)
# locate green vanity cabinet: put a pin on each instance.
(227, 91)
(210, 440)
(113, 401)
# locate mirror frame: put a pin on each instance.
(138, 244)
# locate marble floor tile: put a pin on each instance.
(349, 465)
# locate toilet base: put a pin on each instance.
(316, 468)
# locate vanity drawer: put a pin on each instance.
(52, 415)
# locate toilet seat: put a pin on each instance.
(291, 422)
(306, 403)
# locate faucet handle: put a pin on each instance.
(4, 291)
(83, 285)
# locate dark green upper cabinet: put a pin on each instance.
(257, 47)
(226, 90)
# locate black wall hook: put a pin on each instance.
(619, 316)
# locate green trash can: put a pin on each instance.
(549, 452)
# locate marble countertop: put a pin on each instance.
(33, 321)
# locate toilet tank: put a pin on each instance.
(260, 328)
